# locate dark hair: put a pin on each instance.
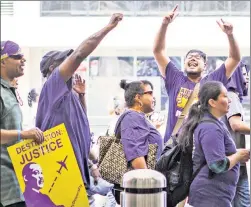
(202, 54)
(32, 95)
(132, 89)
(54, 63)
(209, 90)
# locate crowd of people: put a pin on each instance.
(220, 145)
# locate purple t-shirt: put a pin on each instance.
(179, 88)
(58, 104)
(212, 143)
(136, 134)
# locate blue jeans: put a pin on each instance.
(242, 195)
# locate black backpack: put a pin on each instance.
(177, 166)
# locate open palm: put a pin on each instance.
(79, 85)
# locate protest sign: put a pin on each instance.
(48, 173)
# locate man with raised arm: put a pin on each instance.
(179, 86)
(59, 104)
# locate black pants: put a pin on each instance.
(116, 192)
(20, 204)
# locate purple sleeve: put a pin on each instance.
(212, 143)
(172, 75)
(134, 136)
(218, 75)
(56, 88)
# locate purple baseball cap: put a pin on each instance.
(9, 48)
(52, 56)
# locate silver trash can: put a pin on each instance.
(143, 188)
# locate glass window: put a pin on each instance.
(214, 62)
(205, 7)
(147, 66)
(111, 66)
(55, 5)
(169, 5)
(84, 6)
(241, 6)
(147, 6)
(117, 6)
(157, 8)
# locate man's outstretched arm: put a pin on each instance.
(70, 65)
(234, 56)
(159, 43)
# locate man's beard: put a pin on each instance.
(191, 73)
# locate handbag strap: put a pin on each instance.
(186, 109)
(118, 125)
(198, 170)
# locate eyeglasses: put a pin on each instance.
(17, 57)
(149, 92)
(197, 56)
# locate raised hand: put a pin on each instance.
(171, 16)
(79, 85)
(115, 19)
(226, 27)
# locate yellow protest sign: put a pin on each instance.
(48, 173)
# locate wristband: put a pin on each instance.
(18, 135)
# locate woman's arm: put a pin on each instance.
(139, 163)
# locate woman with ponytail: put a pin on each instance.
(213, 149)
(135, 130)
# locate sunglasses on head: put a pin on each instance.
(16, 57)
